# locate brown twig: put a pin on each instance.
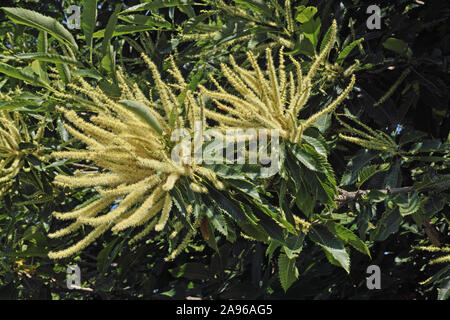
(346, 196)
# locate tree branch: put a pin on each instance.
(346, 196)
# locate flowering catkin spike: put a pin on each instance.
(165, 213)
(135, 170)
(13, 132)
(266, 98)
(371, 139)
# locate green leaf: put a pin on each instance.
(47, 57)
(255, 5)
(35, 235)
(104, 256)
(305, 14)
(407, 203)
(156, 4)
(110, 89)
(396, 45)
(109, 30)
(121, 30)
(42, 44)
(287, 271)
(16, 104)
(387, 225)
(369, 171)
(64, 72)
(275, 214)
(308, 157)
(346, 51)
(332, 245)
(190, 24)
(22, 75)
(88, 21)
(139, 19)
(88, 74)
(347, 236)
(142, 112)
(304, 200)
(294, 245)
(311, 30)
(325, 39)
(316, 140)
(36, 20)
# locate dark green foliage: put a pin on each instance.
(377, 225)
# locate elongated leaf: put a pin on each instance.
(332, 245)
(347, 236)
(47, 57)
(42, 44)
(444, 289)
(142, 112)
(121, 30)
(64, 72)
(88, 21)
(305, 14)
(36, 20)
(287, 271)
(308, 157)
(156, 4)
(21, 75)
(88, 73)
(146, 20)
(190, 24)
(387, 225)
(318, 142)
(109, 30)
(274, 213)
(13, 105)
(259, 6)
(408, 203)
(396, 45)
(325, 39)
(369, 171)
(346, 51)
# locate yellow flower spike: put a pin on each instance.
(371, 139)
(170, 182)
(114, 214)
(267, 99)
(159, 84)
(145, 210)
(13, 132)
(165, 213)
(434, 249)
(91, 237)
(184, 243)
(444, 259)
(290, 23)
(95, 207)
(149, 228)
(332, 106)
(324, 54)
(135, 169)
